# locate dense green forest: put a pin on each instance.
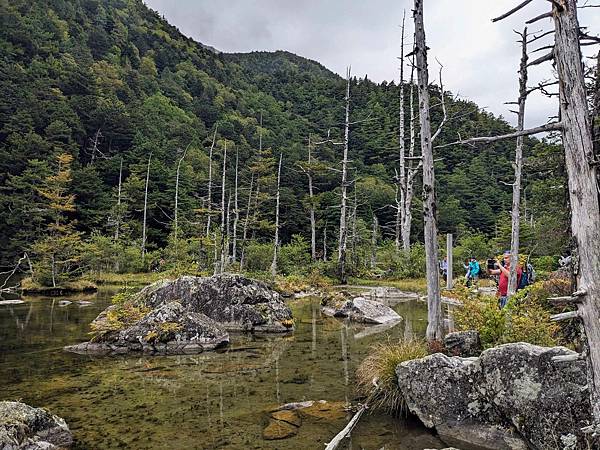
(99, 95)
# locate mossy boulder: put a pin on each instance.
(511, 393)
(25, 427)
(168, 329)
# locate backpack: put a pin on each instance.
(527, 277)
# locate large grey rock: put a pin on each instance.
(189, 315)
(475, 400)
(546, 401)
(463, 343)
(236, 302)
(362, 310)
(26, 428)
(168, 329)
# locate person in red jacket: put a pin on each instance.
(503, 269)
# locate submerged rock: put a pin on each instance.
(25, 427)
(473, 400)
(362, 310)
(187, 315)
(286, 420)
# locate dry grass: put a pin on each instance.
(380, 365)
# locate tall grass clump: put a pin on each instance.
(379, 369)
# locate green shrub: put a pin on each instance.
(526, 318)
(400, 265)
(258, 257)
(295, 256)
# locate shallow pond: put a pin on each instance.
(208, 401)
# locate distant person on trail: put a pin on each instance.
(473, 271)
(503, 269)
(444, 268)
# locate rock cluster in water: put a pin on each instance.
(25, 427)
(479, 401)
(189, 315)
(360, 309)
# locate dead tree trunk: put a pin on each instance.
(343, 233)
(516, 197)
(374, 242)
(209, 195)
(583, 185)
(223, 180)
(246, 220)
(145, 207)
(401, 186)
(176, 212)
(236, 211)
(325, 244)
(276, 239)
(434, 307)
(313, 226)
(119, 217)
(411, 173)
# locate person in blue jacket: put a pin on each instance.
(473, 271)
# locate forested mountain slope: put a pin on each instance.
(112, 84)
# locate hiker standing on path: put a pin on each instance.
(444, 268)
(473, 271)
(503, 269)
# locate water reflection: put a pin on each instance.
(211, 400)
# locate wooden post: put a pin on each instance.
(449, 260)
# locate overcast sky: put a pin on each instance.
(480, 58)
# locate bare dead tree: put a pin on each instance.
(176, 211)
(343, 232)
(145, 207)
(411, 171)
(434, 306)
(209, 195)
(325, 244)
(401, 182)
(236, 212)
(518, 166)
(583, 182)
(276, 238)
(374, 242)
(119, 217)
(223, 181)
(313, 226)
(246, 221)
(575, 127)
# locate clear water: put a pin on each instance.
(208, 401)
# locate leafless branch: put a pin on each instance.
(438, 131)
(540, 17)
(553, 126)
(512, 11)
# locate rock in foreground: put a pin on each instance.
(362, 310)
(187, 315)
(470, 401)
(25, 427)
